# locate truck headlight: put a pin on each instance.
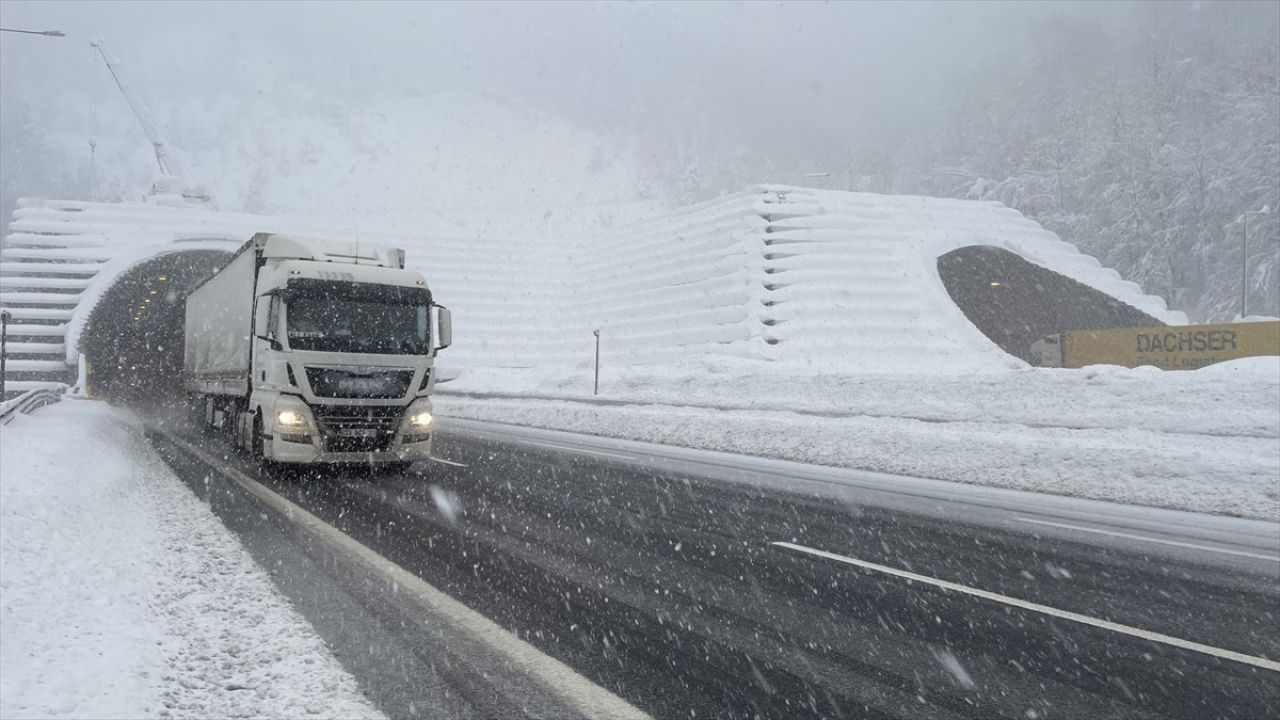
(290, 418)
(417, 422)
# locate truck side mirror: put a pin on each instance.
(444, 327)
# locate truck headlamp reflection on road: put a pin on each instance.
(290, 418)
(421, 420)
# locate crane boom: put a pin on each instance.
(168, 164)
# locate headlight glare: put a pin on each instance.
(422, 419)
(289, 418)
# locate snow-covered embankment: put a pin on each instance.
(122, 595)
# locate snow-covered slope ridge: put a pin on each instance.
(852, 281)
(823, 280)
(816, 280)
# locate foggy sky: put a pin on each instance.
(848, 73)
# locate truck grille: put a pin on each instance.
(359, 382)
(358, 429)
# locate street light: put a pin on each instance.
(46, 33)
(1244, 257)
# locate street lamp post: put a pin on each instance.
(4, 337)
(46, 33)
(93, 170)
(1244, 257)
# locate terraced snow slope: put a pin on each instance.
(852, 282)
(809, 280)
(820, 280)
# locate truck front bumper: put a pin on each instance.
(312, 451)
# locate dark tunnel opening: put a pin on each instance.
(1015, 302)
(133, 339)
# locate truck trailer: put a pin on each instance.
(316, 351)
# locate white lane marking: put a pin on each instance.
(1144, 538)
(1046, 610)
(556, 678)
(446, 462)
(578, 450)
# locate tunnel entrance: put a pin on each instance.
(133, 339)
(1015, 302)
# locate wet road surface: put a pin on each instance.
(695, 593)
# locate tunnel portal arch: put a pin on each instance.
(132, 339)
(1015, 302)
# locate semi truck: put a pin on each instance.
(309, 350)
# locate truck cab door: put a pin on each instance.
(270, 366)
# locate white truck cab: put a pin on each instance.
(317, 351)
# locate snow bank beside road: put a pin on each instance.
(1204, 441)
(123, 596)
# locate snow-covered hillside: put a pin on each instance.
(450, 157)
(124, 596)
(445, 162)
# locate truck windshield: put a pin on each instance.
(337, 324)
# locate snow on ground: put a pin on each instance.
(122, 595)
(1205, 441)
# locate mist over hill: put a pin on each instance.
(1139, 131)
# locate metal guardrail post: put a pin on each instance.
(596, 391)
(30, 400)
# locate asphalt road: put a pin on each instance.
(661, 578)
